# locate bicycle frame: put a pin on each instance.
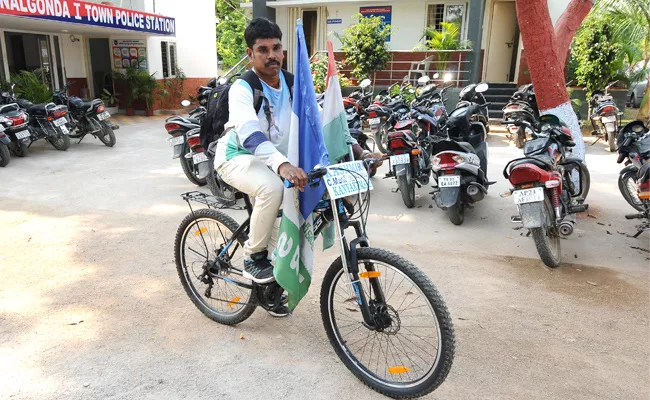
(348, 251)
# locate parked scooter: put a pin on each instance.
(633, 145)
(179, 128)
(605, 117)
(87, 117)
(543, 188)
(5, 142)
(460, 161)
(17, 129)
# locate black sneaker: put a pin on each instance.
(259, 268)
(282, 310)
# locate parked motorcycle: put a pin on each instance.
(87, 117)
(17, 128)
(180, 128)
(605, 117)
(522, 106)
(460, 161)
(46, 121)
(386, 111)
(643, 178)
(633, 144)
(543, 188)
(5, 142)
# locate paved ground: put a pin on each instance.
(91, 306)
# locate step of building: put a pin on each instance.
(502, 85)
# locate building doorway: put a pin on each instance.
(30, 52)
(310, 26)
(101, 66)
(501, 54)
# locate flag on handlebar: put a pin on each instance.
(335, 125)
(294, 253)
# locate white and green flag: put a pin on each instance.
(294, 254)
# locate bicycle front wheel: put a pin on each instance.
(410, 349)
(210, 266)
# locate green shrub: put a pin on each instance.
(30, 86)
(364, 44)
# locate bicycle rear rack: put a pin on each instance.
(211, 201)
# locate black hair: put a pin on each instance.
(261, 28)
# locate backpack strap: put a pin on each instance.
(288, 77)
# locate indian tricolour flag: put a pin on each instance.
(294, 254)
(335, 124)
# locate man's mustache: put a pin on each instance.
(272, 62)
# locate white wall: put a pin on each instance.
(74, 56)
(196, 43)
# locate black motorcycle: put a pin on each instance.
(633, 145)
(521, 107)
(46, 120)
(605, 116)
(16, 128)
(87, 117)
(460, 161)
(5, 154)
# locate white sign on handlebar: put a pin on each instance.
(347, 179)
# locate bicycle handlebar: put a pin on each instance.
(317, 173)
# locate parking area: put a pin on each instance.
(91, 306)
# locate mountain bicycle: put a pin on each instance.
(385, 319)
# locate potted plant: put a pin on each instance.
(145, 90)
(129, 80)
(111, 100)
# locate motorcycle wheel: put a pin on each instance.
(5, 155)
(382, 138)
(107, 135)
(628, 187)
(19, 149)
(521, 137)
(61, 143)
(406, 187)
(611, 140)
(456, 213)
(188, 168)
(547, 242)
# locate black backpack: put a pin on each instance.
(217, 113)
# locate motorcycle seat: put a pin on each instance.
(534, 161)
(193, 120)
(36, 109)
(467, 147)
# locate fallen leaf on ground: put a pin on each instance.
(575, 255)
(639, 248)
(241, 336)
(600, 223)
(76, 322)
(591, 216)
(608, 232)
(592, 283)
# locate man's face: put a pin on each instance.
(267, 57)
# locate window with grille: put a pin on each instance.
(168, 52)
(438, 13)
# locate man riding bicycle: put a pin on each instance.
(252, 152)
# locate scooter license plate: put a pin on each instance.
(449, 181)
(611, 118)
(199, 158)
(400, 159)
(60, 122)
(175, 141)
(528, 195)
(103, 116)
(64, 129)
(374, 121)
(22, 135)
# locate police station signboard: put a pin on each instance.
(82, 12)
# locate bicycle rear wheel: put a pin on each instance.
(209, 279)
(410, 350)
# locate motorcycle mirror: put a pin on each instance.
(423, 80)
(436, 75)
(365, 83)
(212, 83)
(222, 81)
(481, 87)
(185, 103)
(447, 77)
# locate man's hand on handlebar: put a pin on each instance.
(295, 175)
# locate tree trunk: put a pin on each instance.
(644, 110)
(568, 24)
(546, 70)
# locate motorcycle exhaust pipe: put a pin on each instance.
(424, 179)
(566, 228)
(475, 192)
